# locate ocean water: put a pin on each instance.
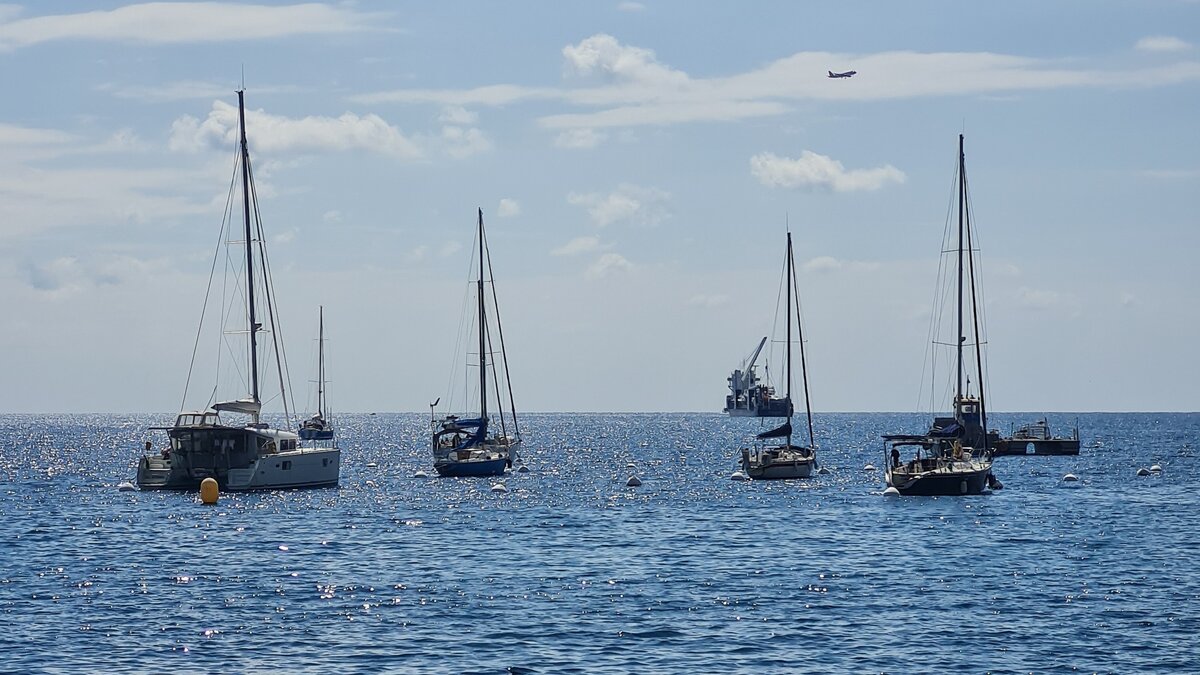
(571, 571)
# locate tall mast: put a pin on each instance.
(962, 179)
(789, 336)
(249, 248)
(482, 331)
(321, 362)
(803, 362)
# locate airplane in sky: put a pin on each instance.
(848, 73)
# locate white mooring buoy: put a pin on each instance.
(633, 482)
(499, 487)
(1143, 471)
(891, 492)
(1070, 478)
(739, 475)
(1156, 469)
(822, 471)
(522, 469)
(420, 474)
(126, 487)
(869, 467)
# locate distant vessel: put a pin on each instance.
(766, 461)
(955, 456)
(1037, 439)
(319, 427)
(750, 398)
(251, 455)
(471, 447)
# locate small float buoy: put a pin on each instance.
(370, 483)
(633, 482)
(823, 471)
(1143, 471)
(499, 487)
(630, 465)
(522, 469)
(891, 492)
(1156, 469)
(126, 487)
(1069, 478)
(371, 465)
(420, 474)
(209, 491)
(869, 467)
(738, 475)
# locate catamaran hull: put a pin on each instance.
(467, 468)
(310, 468)
(940, 484)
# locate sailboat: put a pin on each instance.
(248, 454)
(769, 461)
(319, 427)
(473, 446)
(955, 456)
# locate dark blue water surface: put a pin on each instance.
(572, 571)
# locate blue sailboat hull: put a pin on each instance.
(460, 469)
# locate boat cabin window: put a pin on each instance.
(287, 465)
(287, 444)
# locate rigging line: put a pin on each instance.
(977, 260)
(207, 291)
(451, 382)
(496, 382)
(512, 405)
(978, 350)
(803, 362)
(775, 321)
(272, 308)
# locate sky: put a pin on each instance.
(638, 165)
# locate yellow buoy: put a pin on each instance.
(209, 491)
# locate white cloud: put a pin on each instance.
(820, 172)
(1125, 298)
(716, 300)
(1162, 43)
(418, 254)
(185, 90)
(508, 208)
(286, 237)
(14, 135)
(1037, 299)
(449, 248)
(628, 203)
(603, 55)
(630, 7)
(617, 85)
(67, 275)
(579, 139)
(579, 245)
(458, 115)
(460, 142)
(333, 216)
(185, 22)
(822, 263)
(274, 133)
(608, 264)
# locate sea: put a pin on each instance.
(571, 571)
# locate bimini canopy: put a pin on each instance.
(949, 431)
(246, 406)
(778, 432)
(462, 427)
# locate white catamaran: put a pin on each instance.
(247, 454)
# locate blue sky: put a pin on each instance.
(636, 164)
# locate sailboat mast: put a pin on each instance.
(482, 330)
(789, 336)
(962, 179)
(321, 361)
(249, 247)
